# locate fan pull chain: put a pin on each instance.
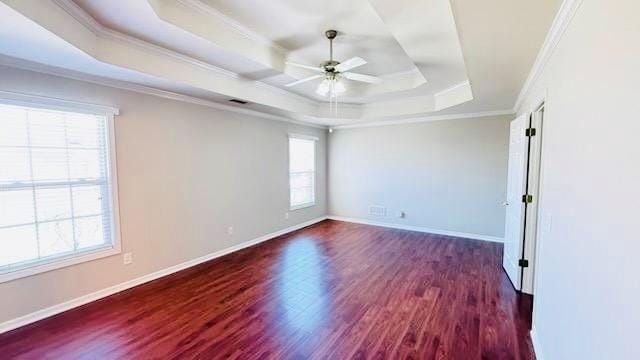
(333, 99)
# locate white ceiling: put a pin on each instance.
(435, 56)
(298, 28)
(298, 37)
(500, 40)
(137, 18)
(20, 39)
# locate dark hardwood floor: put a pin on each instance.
(333, 290)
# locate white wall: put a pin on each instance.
(445, 175)
(587, 285)
(185, 173)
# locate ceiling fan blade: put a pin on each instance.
(304, 80)
(361, 77)
(308, 67)
(352, 63)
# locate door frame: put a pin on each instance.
(531, 235)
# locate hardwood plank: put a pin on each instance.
(333, 290)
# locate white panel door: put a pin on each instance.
(516, 184)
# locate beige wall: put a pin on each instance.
(185, 173)
(587, 285)
(445, 175)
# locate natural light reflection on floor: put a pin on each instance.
(302, 288)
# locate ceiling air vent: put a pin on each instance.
(238, 101)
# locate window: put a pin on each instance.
(302, 171)
(56, 189)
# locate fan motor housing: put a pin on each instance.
(329, 65)
(331, 34)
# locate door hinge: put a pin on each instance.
(523, 263)
(527, 199)
(530, 132)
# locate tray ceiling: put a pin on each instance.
(221, 49)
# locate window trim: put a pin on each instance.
(302, 206)
(57, 262)
(315, 173)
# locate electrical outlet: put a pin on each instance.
(230, 230)
(286, 215)
(127, 258)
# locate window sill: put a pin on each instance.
(57, 263)
(302, 206)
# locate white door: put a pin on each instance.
(516, 184)
(533, 189)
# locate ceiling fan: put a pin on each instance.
(332, 71)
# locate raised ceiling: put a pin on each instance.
(362, 32)
(434, 56)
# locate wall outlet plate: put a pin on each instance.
(230, 230)
(127, 258)
(286, 215)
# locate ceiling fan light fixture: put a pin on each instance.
(338, 87)
(324, 87)
(332, 87)
(334, 73)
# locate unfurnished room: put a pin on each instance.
(296, 179)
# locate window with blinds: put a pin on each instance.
(302, 172)
(55, 186)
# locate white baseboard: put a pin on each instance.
(419, 229)
(537, 348)
(68, 305)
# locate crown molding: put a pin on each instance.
(425, 119)
(207, 9)
(411, 71)
(142, 89)
(80, 15)
(22, 99)
(100, 30)
(560, 23)
(92, 25)
(453, 88)
(147, 90)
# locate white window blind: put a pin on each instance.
(55, 186)
(302, 172)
